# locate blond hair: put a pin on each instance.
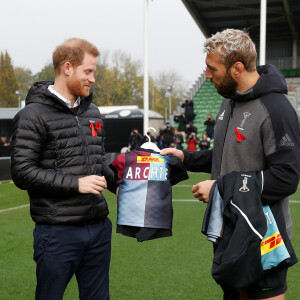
(233, 45)
(72, 50)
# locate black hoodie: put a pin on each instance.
(264, 116)
(258, 131)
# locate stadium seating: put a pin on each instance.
(291, 73)
(206, 101)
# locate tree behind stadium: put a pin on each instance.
(8, 82)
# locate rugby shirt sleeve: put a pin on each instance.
(178, 170)
(118, 165)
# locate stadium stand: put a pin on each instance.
(206, 101)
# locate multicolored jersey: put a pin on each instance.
(273, 249)
(145, 193)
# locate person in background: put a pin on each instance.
(204, 144)
(188, 106)
(134, 140)
(4, 142)
(257, 130)
(152, 139)
(190, 128)
(210, 126)
(192, 142)
(159, 139)
(167, 135)
(182, 122)
(177, 140)
(58, 157)
(145, 139)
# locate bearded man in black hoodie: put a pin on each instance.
(257, 129)
(58, 157)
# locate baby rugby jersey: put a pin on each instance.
(145, 192)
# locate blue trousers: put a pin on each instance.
(60, 251)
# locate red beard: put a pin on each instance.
(77, 88)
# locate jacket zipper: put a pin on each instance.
(232, 106)
(88, 160)
(85, 146)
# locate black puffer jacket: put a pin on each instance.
(51, 148)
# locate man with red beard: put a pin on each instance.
(58, 157)
(257, 129)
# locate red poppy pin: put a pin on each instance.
(239, 136)
(97, 125)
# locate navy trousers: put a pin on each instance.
(60, 251)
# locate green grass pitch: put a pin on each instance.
(176, 267)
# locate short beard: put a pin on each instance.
(228, 86)
(75, 88)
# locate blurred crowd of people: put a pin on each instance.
(184, 132)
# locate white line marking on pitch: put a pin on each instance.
(183, 185)
(174, 200)
(12, 208)
(190, 185)
(185, 200)
(191, 200)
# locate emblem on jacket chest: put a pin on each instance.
(246, 116)
(244, 188)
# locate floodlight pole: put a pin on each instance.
(19, 93)
(146, 79)
(169, 89)
(263, 22)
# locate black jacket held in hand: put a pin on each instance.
(52, 147)
(237, 259)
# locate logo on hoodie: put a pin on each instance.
(244, 188)
(286, 141)
(221, 117)
(246, 116)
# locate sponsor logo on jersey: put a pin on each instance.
(271, 242)
(286, 141)
(149, 159)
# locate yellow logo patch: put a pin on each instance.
(149, 159)
(271, 242)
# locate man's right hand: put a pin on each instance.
(173, 151)
(92, 184)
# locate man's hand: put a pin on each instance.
(202, 189)
(92, 184)
(173, 151)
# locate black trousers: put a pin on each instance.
(60, 251)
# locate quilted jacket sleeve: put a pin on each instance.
(29, 136)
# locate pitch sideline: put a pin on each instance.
(175, 200)
(13, 208)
